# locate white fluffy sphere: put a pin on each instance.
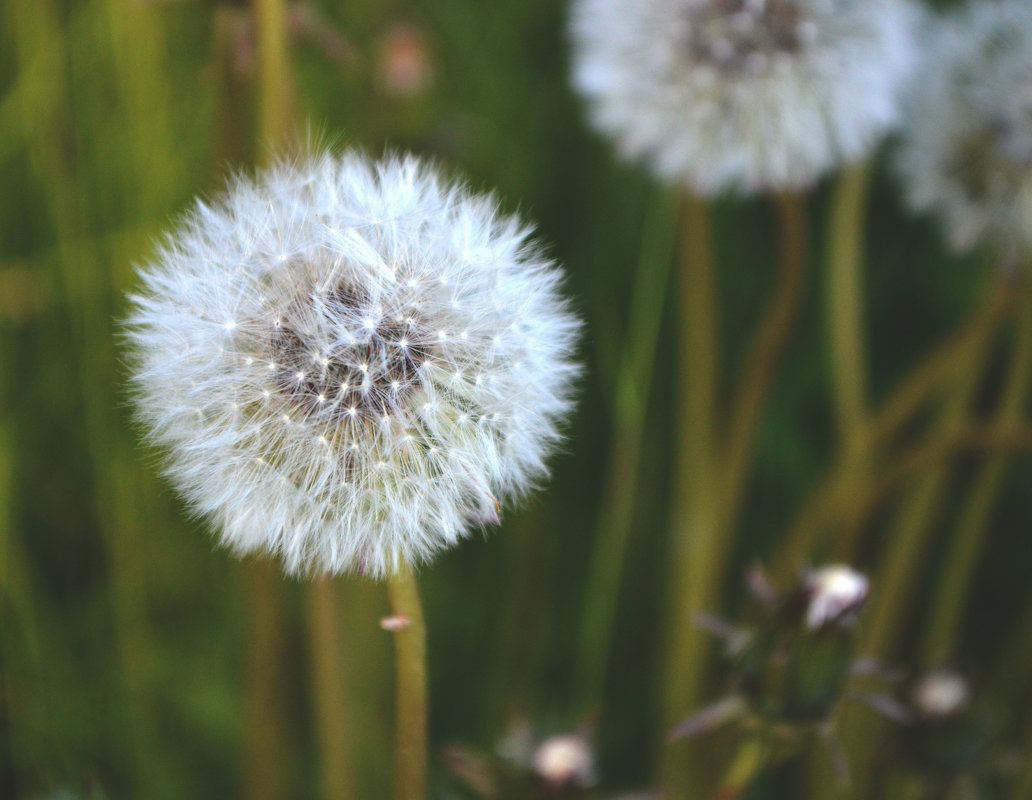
(743, 94)
(350, 364)
(966, 153)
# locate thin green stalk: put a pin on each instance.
(332, 714)
(1011, 676)
(748, 764)
(953, 586)
(693, 532)
(845, 305)
(633, 385)
(37, 27)
(831, 500)
(274, 112)
(264, 757)
(410, 710)
(898, 571)
(761, 364)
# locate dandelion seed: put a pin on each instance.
(326, 348)
(738, 94)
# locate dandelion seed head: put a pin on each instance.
(743, 94)
(966, 152)
(326, 425)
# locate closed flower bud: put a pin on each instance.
(835, 595)
(939, 693)
(564, 763)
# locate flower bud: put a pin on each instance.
(835, 595)
(565, 762)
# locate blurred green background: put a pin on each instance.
(127, 658)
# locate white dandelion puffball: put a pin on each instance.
(743, 94)
(966, 152)
(351, 364)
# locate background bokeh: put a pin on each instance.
(127, 665)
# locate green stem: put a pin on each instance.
(332, 713)
(834, 496)
(274, 112)
(264, 760)
(954, 580)
(615, 516)
(265, 771)
(867, 495)
(761, 364)
(693, 535)
(748, 764)
(899, 569)
(410, 735)
(845, 304)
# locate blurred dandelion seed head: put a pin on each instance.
(835, 595)
(966, 153)
(743, 94)
(350, 364)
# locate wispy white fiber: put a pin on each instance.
(966, 153)
(743, 94)
(351, 364)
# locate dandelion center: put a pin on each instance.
(339, 356)
(744, 36)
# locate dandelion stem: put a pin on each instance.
(899, 564)
(954, 580)
(331, 710)
(749, 762)
(845, 304)
(265, 764)
(833, 498)
(274, 72)
(410, 742)
(631, 400)
(761, 363)
(264, 775)
(694, 531)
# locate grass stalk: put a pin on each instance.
(899, 568)
(762, 361)
(953, 587)
(615, 517)
(832, 500)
